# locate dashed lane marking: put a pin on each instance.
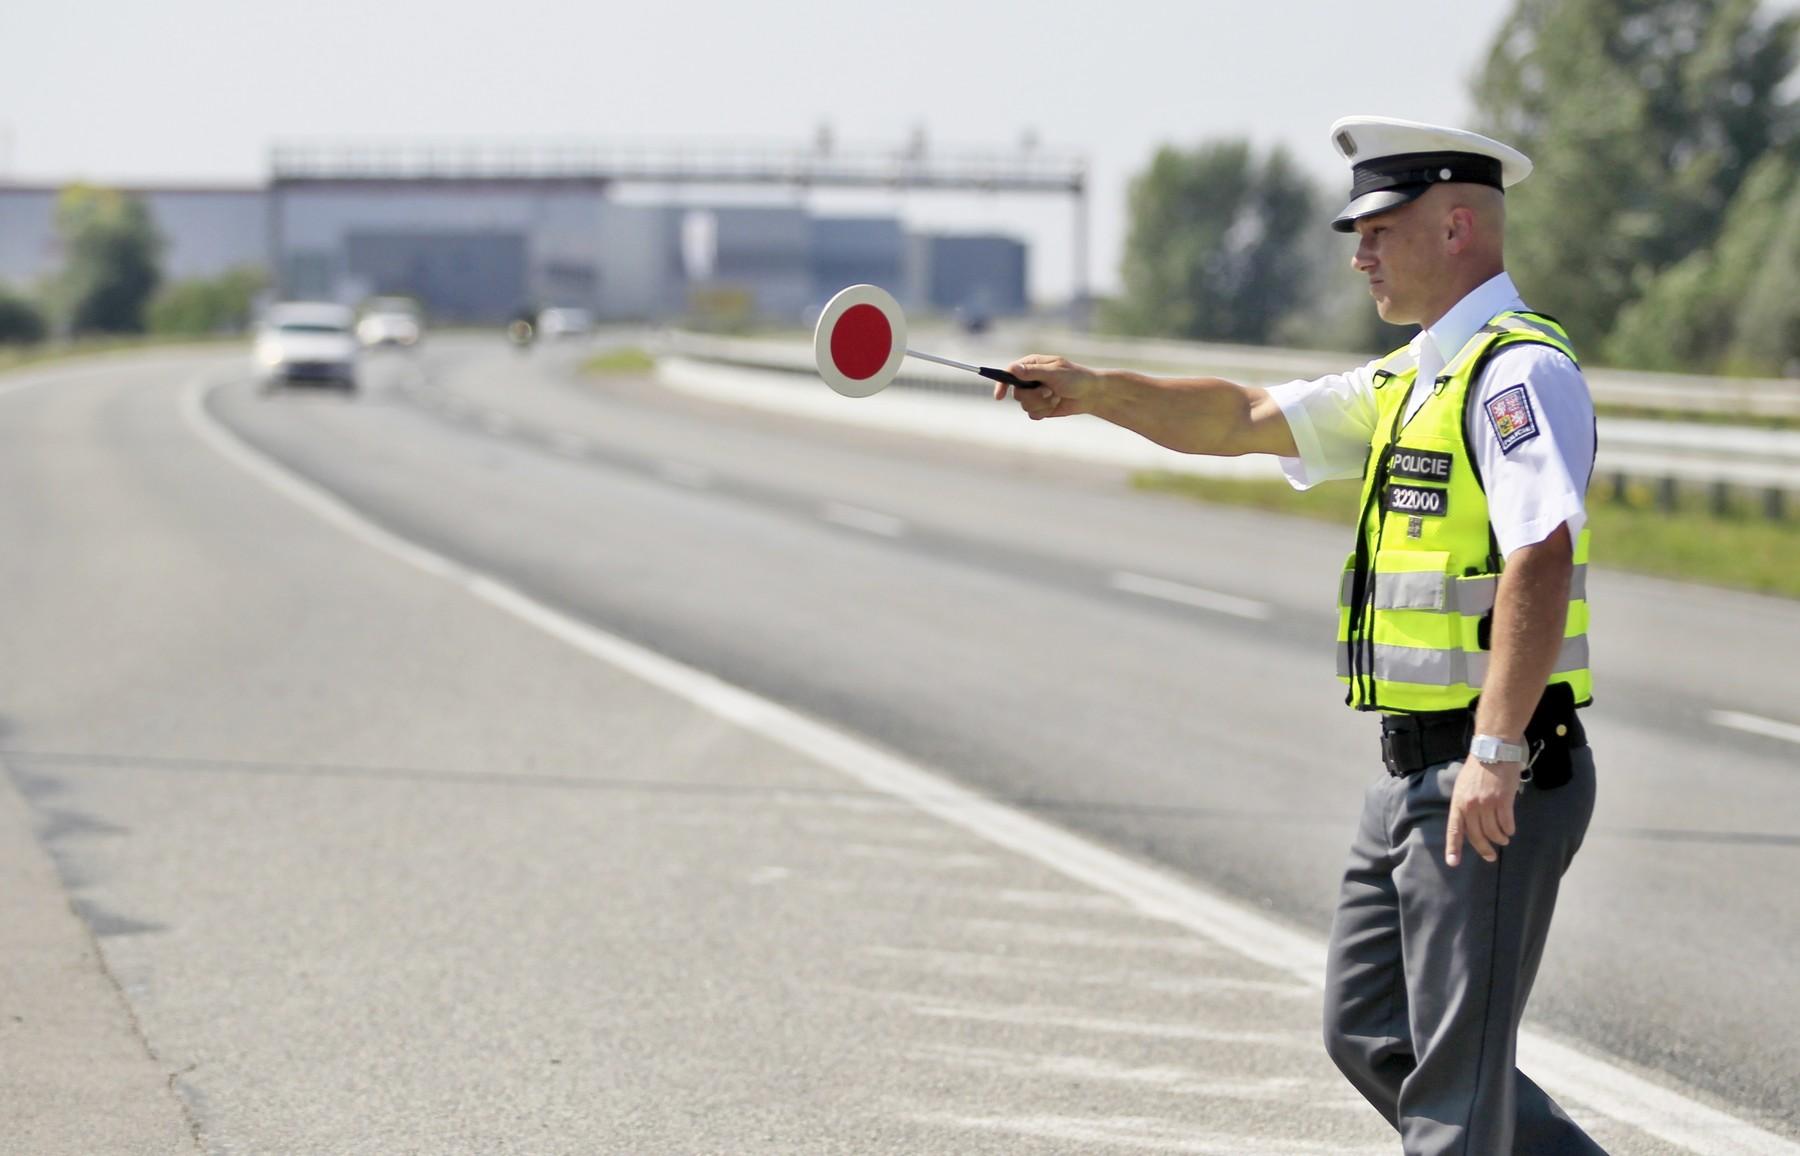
(1601, 1084)
(1187, 595)
(1755, 724)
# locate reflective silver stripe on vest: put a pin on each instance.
(1426, 667)
(1404, 361)
(1534, 326)
(1423, 590)
(1417, 590)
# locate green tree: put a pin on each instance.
(111, 257)
(1766, 337)
(1215, 249)
(201, 306)
(21, 321)
(1644, 117)
(1733, 306)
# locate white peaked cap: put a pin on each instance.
(1395, 161)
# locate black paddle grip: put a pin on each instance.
(1005, 378)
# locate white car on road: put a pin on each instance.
(389, 321)
(563, 321)
(303, 341)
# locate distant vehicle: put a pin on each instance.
(973, 319)
(394, 305)
(307, 341)
(563, 321)
(389, 327)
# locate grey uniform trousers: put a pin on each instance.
(1430, 967)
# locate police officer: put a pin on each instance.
(1462, 620)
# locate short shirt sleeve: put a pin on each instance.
(1332, 419)
(1531, 430)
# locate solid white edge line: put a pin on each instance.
(1755, 724)
(1601, 1085)
(1188, 595)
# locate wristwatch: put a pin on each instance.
(1492, 749)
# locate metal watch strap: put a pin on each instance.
(1493, 749)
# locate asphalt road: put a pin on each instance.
(379, 869)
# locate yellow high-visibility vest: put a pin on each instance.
(1415, 606)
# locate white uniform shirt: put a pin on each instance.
(1532, 430)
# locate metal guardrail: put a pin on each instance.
(1670, 455)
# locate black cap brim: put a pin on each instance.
(1379, 201)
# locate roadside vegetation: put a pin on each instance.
(626, 359)
(110, 292)
(1663, 228)
(1689, 534)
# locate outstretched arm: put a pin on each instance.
(1194, 415)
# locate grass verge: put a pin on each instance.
(625, 359)
(20, 356)
(1738, 547)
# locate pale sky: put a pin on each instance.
(196, 90)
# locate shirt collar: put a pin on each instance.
(1494, 296)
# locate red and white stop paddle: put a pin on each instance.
(860, 341)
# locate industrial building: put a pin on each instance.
(478, 248)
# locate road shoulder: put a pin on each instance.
(79, 1078)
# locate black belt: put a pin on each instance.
(1412, 742)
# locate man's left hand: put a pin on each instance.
(1481, 808)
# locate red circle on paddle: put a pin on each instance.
(861, 342)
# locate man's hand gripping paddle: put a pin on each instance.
(860, 341)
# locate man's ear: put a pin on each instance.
(1459, 229)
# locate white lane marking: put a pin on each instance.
(1083, 1021)
(868, 521)
(925, 860)
(1167, 1078)
(685, 474)
(1145, 1134)
(305, 494)
(1755, 724)
(1037, 899)
(569, 445)
(980, 965)
(1188, 595)
(497, 424)
(1602, 1085)
(1058, 935)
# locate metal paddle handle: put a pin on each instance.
(988, 372)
